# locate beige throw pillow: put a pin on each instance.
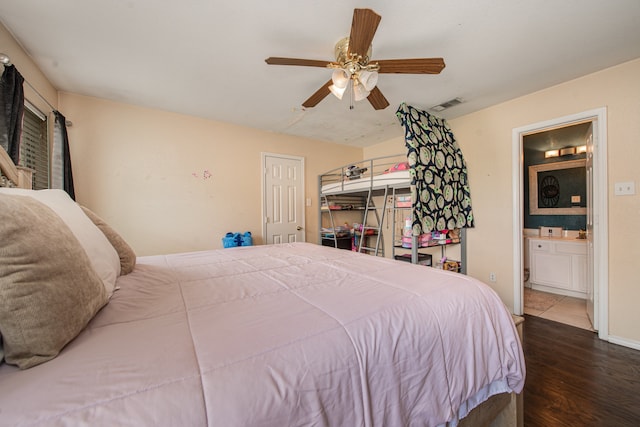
(102, 254)
(125, 252)
(49, 290)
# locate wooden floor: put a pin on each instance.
(576, 379)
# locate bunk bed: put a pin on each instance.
(376, 188)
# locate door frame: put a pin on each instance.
(599, 209)
(263, 157)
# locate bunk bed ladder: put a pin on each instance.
(325, 202)
(378, 249)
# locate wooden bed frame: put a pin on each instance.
(18, 175)
(502, 410)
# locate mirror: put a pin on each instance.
(558, 188)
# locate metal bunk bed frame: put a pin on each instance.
(365, 197)
(371, 168)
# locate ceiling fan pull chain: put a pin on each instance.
(351, 83)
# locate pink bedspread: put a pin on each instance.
(285, 335)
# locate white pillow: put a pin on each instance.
(104, 258)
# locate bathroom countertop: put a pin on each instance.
(565, 239)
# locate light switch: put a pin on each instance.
(625, 188)
(308, 201)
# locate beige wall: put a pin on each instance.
(135, 167)
(485, 139)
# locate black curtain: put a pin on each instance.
(12, 104)
(61, 143)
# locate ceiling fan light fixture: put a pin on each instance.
(353, 63)
(337, 91)
(359, 92)
(340, 78)
(369, 79)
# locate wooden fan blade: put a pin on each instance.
(296, 61)
(363, 28)
(318, 96)
(377, 99)
(410, 66)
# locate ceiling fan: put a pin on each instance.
(354, 70)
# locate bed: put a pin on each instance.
(376, 173)
(399, 179)
(291, 334)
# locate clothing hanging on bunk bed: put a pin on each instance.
(439, 184)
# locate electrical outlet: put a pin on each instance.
(625, 188)
(492, 276)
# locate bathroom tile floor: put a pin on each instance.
(559, 308)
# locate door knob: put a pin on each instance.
(298, 228)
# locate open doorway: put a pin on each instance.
(593, 284)
(555, 222)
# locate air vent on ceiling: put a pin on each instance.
(448, 104)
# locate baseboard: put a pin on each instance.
(624, 342)
(558, 291)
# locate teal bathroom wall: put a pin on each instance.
(572, 182)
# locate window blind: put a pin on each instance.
(34, 148)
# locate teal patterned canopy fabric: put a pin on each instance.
(439, 185)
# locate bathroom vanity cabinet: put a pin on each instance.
(558, 266)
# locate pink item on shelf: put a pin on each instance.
(403, 201)
(403, 166)
(423, 240)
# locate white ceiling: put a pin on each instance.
(206, 57)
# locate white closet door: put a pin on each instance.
(283, 199)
